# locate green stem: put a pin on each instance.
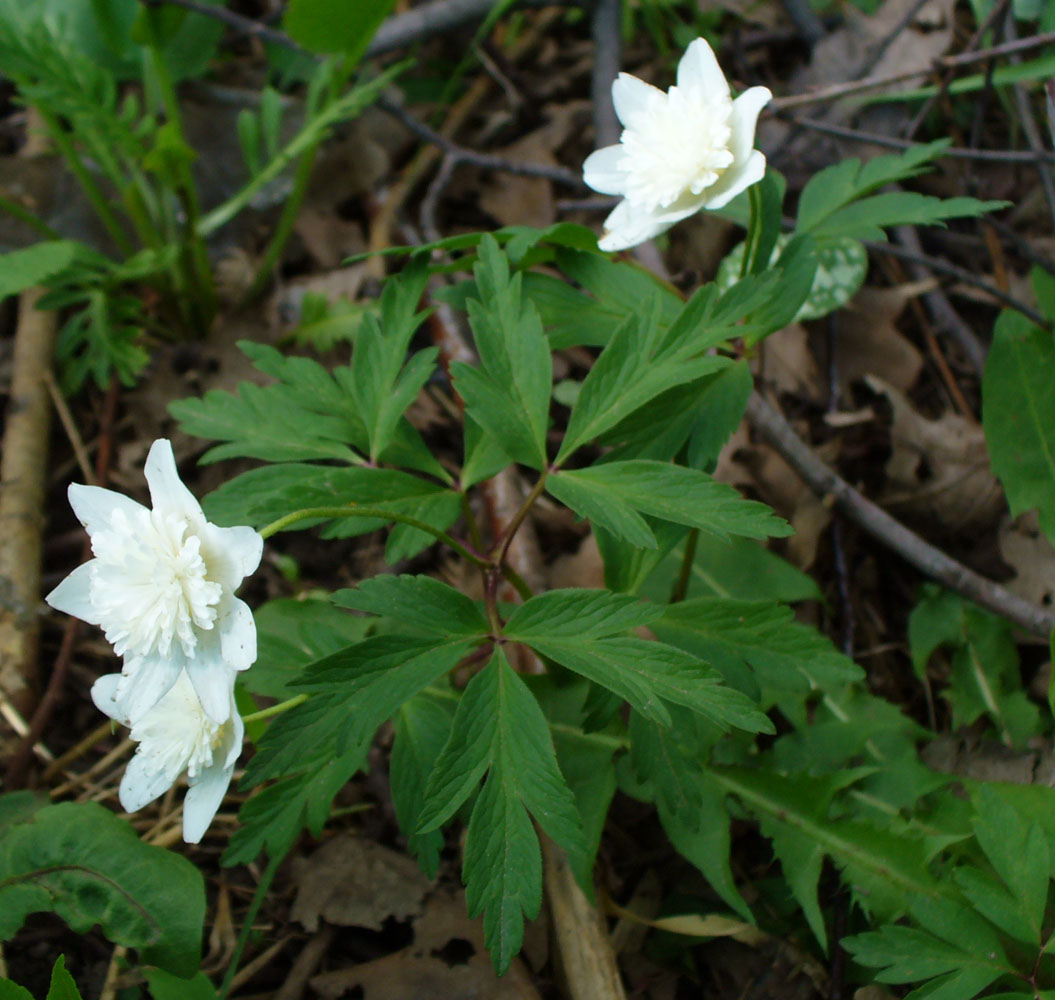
(353, 510)
(285, 225)
(247, 926)
(273, 710)
(681, 588)
(518, 582)
(506, 538)
(26, 217)
(91, 190)
(754, 231)
(601, 739)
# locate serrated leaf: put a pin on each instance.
(1019, 853)
(838, 185)
(785, 656)
(21, 269)
(660, 489)
(292, 632)
(629, 373)
(62, 986)
(867, 219)
(882, 868)
(422, 728)
(356, 690)
(647, 674)
(508, 394)
(1018, 415)
(272, 819)
(261, 496)
(420, 602)
(578, 613)
(499, 728)
(79, 861)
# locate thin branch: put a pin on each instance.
(241, 24)
(777, 432)
(607, 57)
(966, 277)
(485, 161)
(953, 152)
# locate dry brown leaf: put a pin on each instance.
(356, 883)
(513, 200)
(867, 341)
(938, 470)
(447, 960)
(787, 363)
(1025, 548)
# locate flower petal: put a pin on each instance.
(212, 678)
(95, 506)
(633, 98)
(237, 633)
(740, 176)
(145, 682)
(601, 170)
(744, 119)
(231, 553)
(699, 71)
(202, 800)
(73, 595)
(167, 492)
(143, 782)
(629, 224)
(104, 694)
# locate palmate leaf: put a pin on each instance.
(646, 674)
(759, 649)
(500, 730)
(81, 862)
(418, 602)
(1018, 415)
(355, 690)
(881, 868)
(261, 496)
(614, 495)
(508, 393)
(639, 363)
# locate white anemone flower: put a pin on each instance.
(174, 736)
(161, 586)
(688, 149)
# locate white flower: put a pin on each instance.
(689, 149)
(176, 736)
(162, 586)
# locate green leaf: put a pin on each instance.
(882, 868)
(261, 496)
(500, 729)
(21, 269)
(10, 990)
(165, 986)
(335, 25)
(62, 985)
(867, 219)
(735, 567)
(508, 394)
(1018, 415)
(272, 819)
(757, 646)
(80, 861)
(647, 674)
(628, 374)
(572, 613)
(356, 690)
(292, 632)
(844, 182)
(615, 493)
(422, 727)
(418, 602)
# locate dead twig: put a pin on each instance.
(777, 432)
(607, 58)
